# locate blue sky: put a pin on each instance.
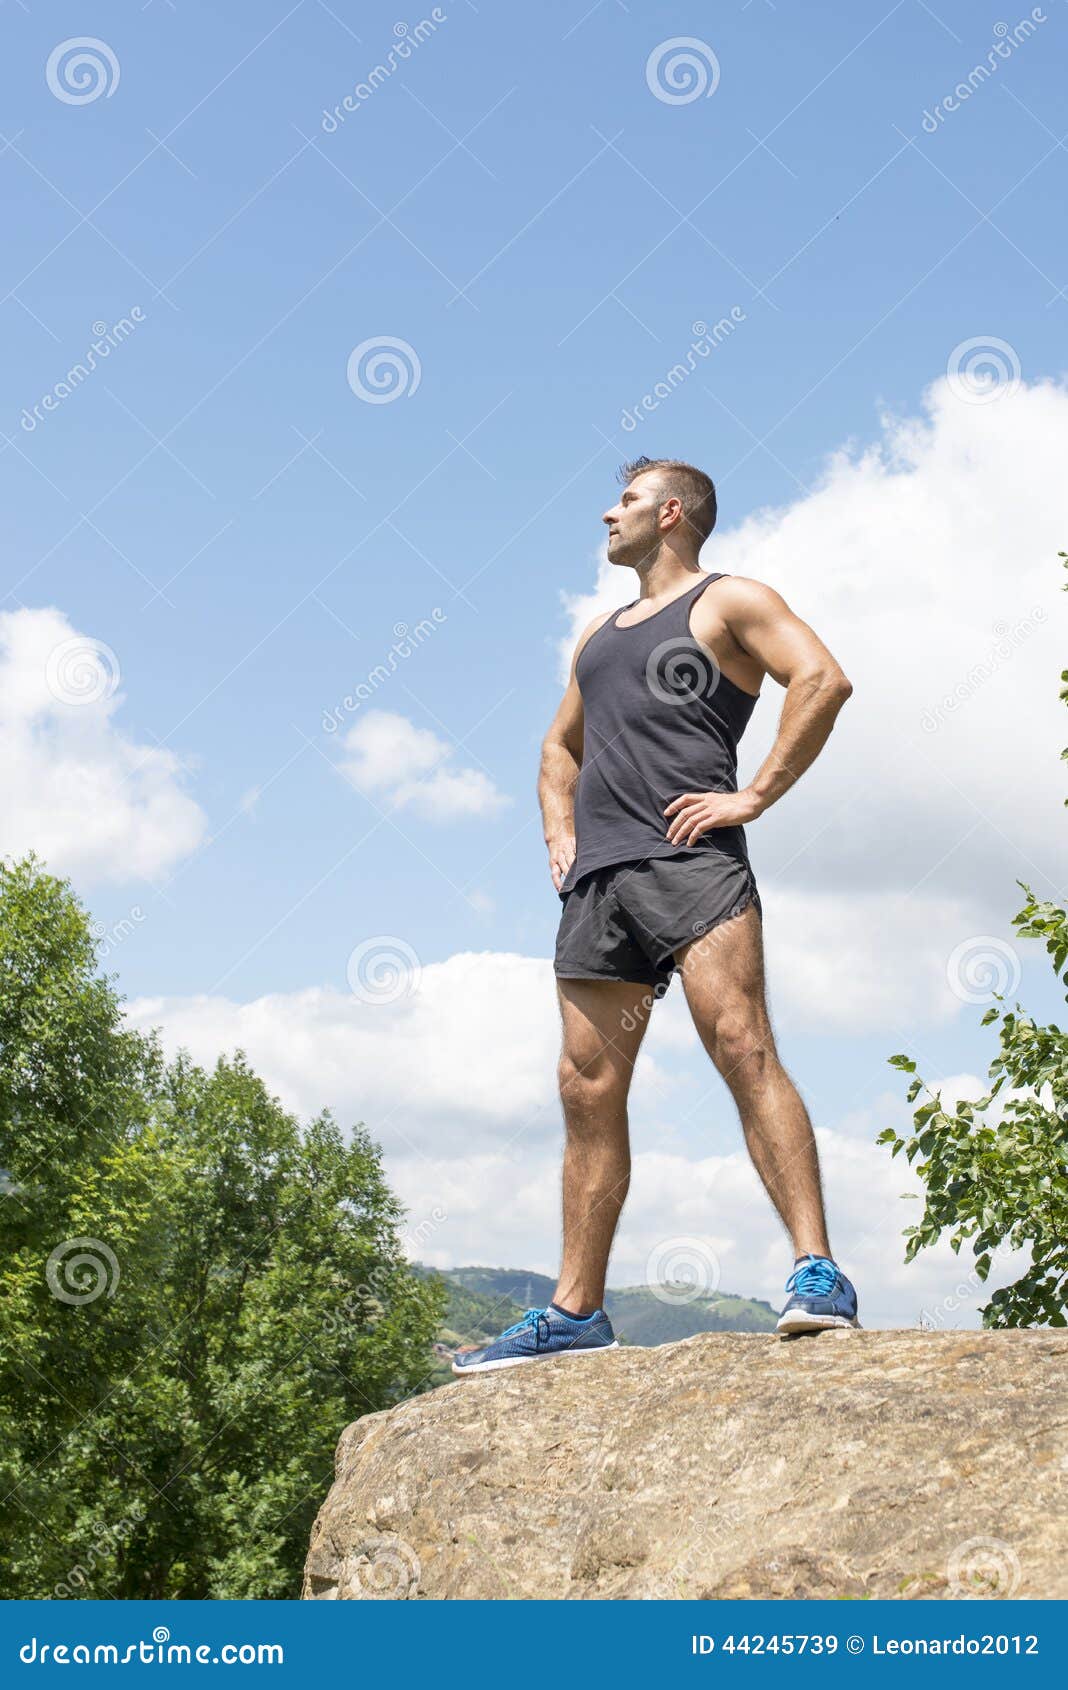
(518, 204)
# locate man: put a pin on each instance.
(645, 829)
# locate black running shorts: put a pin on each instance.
(626, 922)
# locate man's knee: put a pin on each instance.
(591, 1080)
(741, 1045)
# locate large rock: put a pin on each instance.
(853, 1463)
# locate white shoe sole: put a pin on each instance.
(798, 1321)
(518, 1361)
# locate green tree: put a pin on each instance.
(195, 1294)
(1004, 1182)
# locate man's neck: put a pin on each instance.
(666, 575)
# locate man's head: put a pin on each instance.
(663, 502)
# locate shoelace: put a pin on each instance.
(533, 1318)
(816, 1277)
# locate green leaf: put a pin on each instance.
(171, 1437)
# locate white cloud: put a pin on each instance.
(457, 1082)
(388, 753)
(927, 562)
(88, 800)
(466, 1058)
(461, 1052)
(499, 1211)
(912, 560)
(863, 961)
(504, 1211)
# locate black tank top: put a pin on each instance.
(661, 719)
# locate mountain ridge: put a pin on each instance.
(482, 1301)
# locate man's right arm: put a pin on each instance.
(561, 760)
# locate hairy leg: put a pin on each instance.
(723, 978)
(603, 1025)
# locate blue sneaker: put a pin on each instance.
(822, 1297)
(540, 1333)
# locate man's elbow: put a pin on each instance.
(550, 745)
(564, 737)
(828, 684)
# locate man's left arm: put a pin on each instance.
(765, 627)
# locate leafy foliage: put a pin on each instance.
(1004, 1182)
(195, 1294)
(471, 1318)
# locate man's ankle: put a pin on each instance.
(580, 1312)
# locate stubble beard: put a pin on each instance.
(640, 551)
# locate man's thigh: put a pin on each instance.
(604, 1022)
(723, 978)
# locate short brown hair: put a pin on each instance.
(694, 490)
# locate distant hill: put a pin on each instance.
(483, 1300)
(641, 1317)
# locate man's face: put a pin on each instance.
(634, 524)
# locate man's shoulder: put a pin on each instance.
(592, 626)
(740, 598)
(743, 590)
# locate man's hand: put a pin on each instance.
(698, 812)
(561, 856)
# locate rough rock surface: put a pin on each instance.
(885, 1464)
